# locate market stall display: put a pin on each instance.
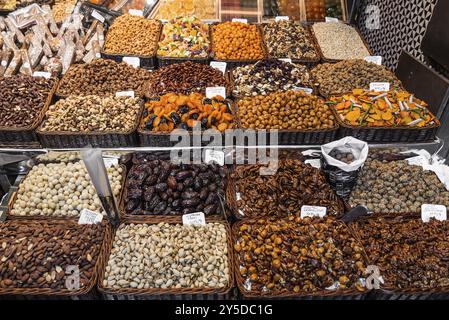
(298, 258)
(293, 185)
(61, 190)
(289, 39)
(269, 76)
(184, 38)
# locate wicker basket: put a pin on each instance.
(237, 63)
(87, 293)
(13, 136)
(104, 139)
(328, 60)
(387, 134)
(390, 293)
(169, 294)
(347, 294)
(231, 201)
(146, 62)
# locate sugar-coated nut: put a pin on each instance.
(168, 256)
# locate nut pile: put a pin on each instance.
(92, 114)
(58, 156)
(382, 109)
(102, 77)
(294, 110)
(303, 256)
(289, 39)
(163, 188)
(295, 184)
(178, 111)
(168, 256)
(135, 35)
(237, 41)
(339, 41)
(268, 76)
(184, 78)
(184, 37)
(346, 157)
(345, 76)
(22, 98)
(395, 187)
(61, 190)
(62, 9)
(410, 254)
(38, 254)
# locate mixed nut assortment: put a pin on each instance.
(184, 78)
(178, 111)
(292, 110)
(134, 35)
(382, 109)
(164, 188)
(22, 99)
(298, 256)
(42, 254)
(395, 187)
(411, 254)
(339, 41)
(92, 114)
(269, 75)
(102, 77)
(294, 185)
(184, 37)
(345, 76)
(289, 39)
(237, 41)
(168, 256)
(61, 190)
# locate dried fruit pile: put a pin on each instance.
(302, 256)
(178, 111)
(382, 109)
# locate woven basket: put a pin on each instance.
(391, 293)
(103, 139)
(146, 62)
(13, 199)
(169, 294)
(231, 201)
(13, 136)
(236, 63)
(328, 60)
(86, 293)
(387, 134)
(346, 294)
(142, 215)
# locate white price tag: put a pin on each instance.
(306, 90)
(110, 162)
(330, 19)
(90, 217)
(135, 12)
(281, 18)
(435, 211)
(313, 211)
(133, 61)
(219, 66)
(374, 59)
(240, 20)
(214, 155)
(45, 75)
(379, 86)
(98, 16)
(125, 94)
(286, 60)
(195, 219)
(316, 163)
(215, 91)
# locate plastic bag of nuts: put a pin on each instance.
(297, 257)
